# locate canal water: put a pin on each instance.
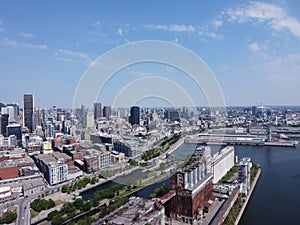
(276, 198)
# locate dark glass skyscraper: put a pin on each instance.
(4, 124)
(107, 111)
(174, 115)
(28, 111)
(134, 118)
(97, 110)
(14, 129)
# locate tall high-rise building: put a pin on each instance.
(28, 111)
(89, 121)
(134, 118)
(174, 115)
(9, 110)
(107, 111)
(254, 110)
(14, 129)
(97, 110)
(44, 118)
(4, 124)
(16, 108)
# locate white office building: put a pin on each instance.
(104, 159)
(222, 162)
(10, 111)
(57, 172)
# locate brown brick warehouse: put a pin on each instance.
(193, 189)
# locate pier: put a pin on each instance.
(223, 212)
(247, 198)
(225, 139)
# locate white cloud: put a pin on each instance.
(27, 35)
(68, 52)
(158, 27)
(202, 31)
(255, 47)
(67, 55)
(275, 16)
(217, 23)
(205, 32)
(14, 44)
(258, 49)
(97, 23)
(64, 59)
(174, 27)
(34, 46)
(120, 32)
(9, 42)
(182, 28)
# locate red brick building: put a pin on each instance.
(9, 172)
(193, 187)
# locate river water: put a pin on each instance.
(276, 197)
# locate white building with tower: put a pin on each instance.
(203, 153)
(244, 175)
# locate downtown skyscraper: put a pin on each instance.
(134, 118)
(28, 111)
(97, 110)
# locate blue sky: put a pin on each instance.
(252, 47)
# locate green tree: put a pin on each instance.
(8, 217)
(65, 189)
(42, 204)
(87, 206)
(78, 203)
(52, 214)
(57, 220)
(50, 204)
(160, 191)
(94, 180)
(67, 207)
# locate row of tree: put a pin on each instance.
(79, 184)
(164, 146)
(70, 209)
(160, 191)
(169, 141)
(42, 204)
(151, 153)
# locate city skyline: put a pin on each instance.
(252, 48)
